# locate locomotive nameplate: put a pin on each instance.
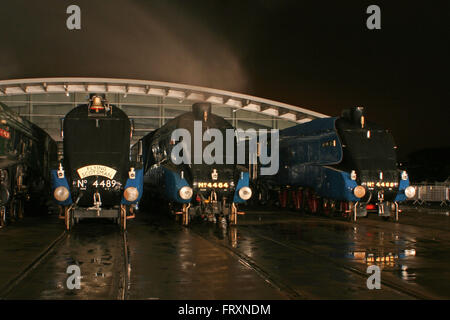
(96, 170)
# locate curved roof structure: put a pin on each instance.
(149, 104)
(156, 88)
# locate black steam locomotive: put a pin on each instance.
(177, 167)
(97, 178)
(342, 164)
(26, 156)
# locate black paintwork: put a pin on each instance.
(91, 139)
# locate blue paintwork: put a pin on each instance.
(304, 161)
(57, 182)
(401, 190)
(173, 183)
(244, 181)
(304, 145)
(327, 182)
(337, 185)
(138, 183)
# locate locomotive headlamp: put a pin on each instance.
(61, 193)
(185, 193)
(410, 192)
(245, 193)
(359, 191)
(404, 175)
(353, 175)
(131, 194)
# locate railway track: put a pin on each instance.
(292, 293)
(125, 283)
(382, 225)
(390, 283)
(124, 279)
(244, 259)
(9, 287)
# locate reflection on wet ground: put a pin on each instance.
(268, 255)
(414, 256)
(174, 263)
(93, 246)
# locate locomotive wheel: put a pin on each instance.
(2, 216)
(332, 208)
(324, 207)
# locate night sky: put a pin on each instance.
(317, 55)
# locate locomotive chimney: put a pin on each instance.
(201, 111)
(355, 115)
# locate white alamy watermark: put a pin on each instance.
(184, 153)
(73, 21)
(374, 281)
(374, 20)
(74, 280)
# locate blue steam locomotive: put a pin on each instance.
(211, 190)
(340, 164)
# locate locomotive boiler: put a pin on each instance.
(96, 178)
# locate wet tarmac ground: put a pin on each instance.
(270, 254)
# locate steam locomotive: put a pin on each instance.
(192, 185)
(96, 178)
(344, 164)
(26, 156)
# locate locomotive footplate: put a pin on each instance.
(103, 213)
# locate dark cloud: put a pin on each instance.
(118, 39)
(312, 54)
